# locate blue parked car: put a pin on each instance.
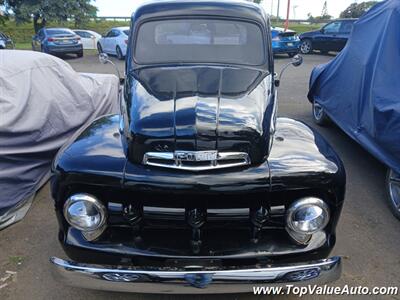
(285, 41)
(57, 41)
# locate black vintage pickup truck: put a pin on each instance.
(197, 186)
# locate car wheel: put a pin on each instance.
(42, 49)
(80, 54)
(393, 191)
(291, 54)
(120, 56)
(319, 115)
(306, 46)
(99, 48)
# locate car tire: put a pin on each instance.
(120, 56)
(319, 115)
(99, 48)
(80, 54)
(306, 46)
(393, 192)
(42, 49)
(292, 54)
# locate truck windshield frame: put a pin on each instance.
(200, 40)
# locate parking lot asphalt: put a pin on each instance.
(368, 236)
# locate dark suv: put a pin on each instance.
(332, 37)
(5, 41)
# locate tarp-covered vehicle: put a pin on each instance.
(359, 90)
(43, 101)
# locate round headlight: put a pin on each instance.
(307, 215)
(85, 212)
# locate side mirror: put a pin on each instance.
(322, 30)
(104, 59)
(297, 60)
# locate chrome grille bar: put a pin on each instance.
(196, 160)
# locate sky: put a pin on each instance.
(298, 8)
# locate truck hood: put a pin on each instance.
(199, 109)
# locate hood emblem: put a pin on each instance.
(196, 155)
(196, 160)
(199, 280)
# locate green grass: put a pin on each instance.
(23, 46)
(299, 28)
(16, 260)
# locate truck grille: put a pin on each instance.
(200, 230)
(196, 160)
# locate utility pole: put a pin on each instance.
(272, 6)
(277, 11)
(287, 15)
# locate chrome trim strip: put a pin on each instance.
(210, 281)
(162, 213)
(177, 160)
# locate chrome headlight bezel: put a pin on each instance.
(90, 199)
(304, 203)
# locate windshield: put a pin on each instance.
(59, 31)
(200, 40)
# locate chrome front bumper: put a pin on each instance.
(194, 282)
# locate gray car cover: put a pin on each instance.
(43, 101)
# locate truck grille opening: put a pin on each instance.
(196, 160)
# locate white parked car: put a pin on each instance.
(89, 38)
(115, 42)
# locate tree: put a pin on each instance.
(324, 9)
(3, 11)
(42, 11)
(356, 10)
(317, 19)
(324, 13)
(323, 18)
